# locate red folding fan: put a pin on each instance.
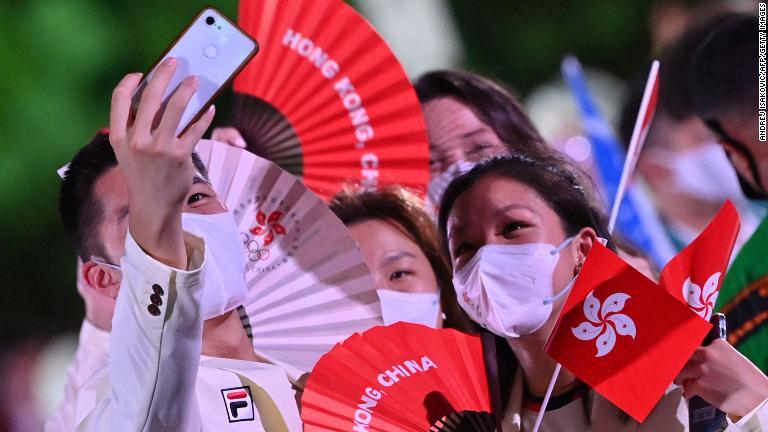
(327, 100)
(403, 377)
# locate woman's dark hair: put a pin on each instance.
(493, 104)
(396, 204)
(558, 184)
(724, 69)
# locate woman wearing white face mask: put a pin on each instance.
(518, 230)
(401, 247)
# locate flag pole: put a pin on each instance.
(635, 145)
(543, 408)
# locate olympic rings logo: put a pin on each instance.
(253, 249)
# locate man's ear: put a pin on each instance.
(100, 278)
(582, 244)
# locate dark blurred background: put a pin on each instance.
(61, 59)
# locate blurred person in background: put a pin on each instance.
(723, 85)
(92, 348)
(518, 230)
(469, 117)
(684, 167)
(401, 248)
(34, 373)
(18, 410)
(668, 19)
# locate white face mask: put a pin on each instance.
(439, 183)
(704, 173)
(418, 308)
(225, 260)
(508, 288)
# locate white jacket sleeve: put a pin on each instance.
(755, 421)
(156, 343)
(91, 356)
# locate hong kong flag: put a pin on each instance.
(622, 334)
(694, 276)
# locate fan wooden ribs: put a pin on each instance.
(337, 108)
(329, 68)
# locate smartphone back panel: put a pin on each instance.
(212, 48)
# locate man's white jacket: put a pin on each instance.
(157, 380)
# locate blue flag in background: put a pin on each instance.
(637, 218)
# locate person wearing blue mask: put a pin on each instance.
(153, 235)
(518, 230)
(400, 245)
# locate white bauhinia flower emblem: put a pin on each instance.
(605, 322)
(702, 301)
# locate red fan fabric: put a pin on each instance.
(324, 68)
(403, 377)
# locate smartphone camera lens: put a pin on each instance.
(210, 20)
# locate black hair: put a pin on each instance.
(396, 204)
(676, 91)
(554, 180)
(675, 98)
(723, 78)
(81, 213)
(493, 104)
(723, 73)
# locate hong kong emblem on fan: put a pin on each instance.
(268, 227)
(274, 227)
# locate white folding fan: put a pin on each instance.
(308, 286)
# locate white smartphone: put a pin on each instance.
(211, 47)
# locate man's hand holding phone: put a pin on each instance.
(157, 165)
